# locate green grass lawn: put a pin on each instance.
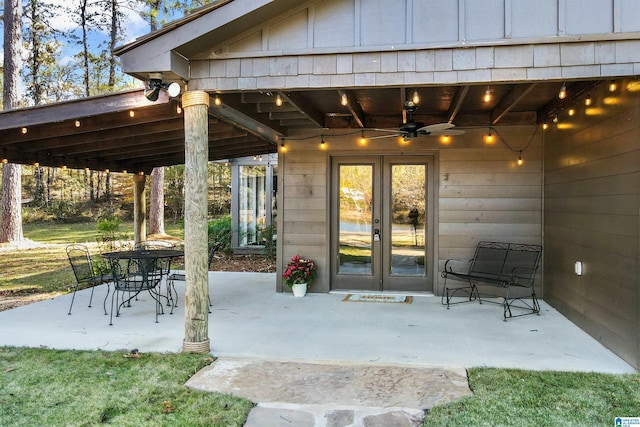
(42, 387)
(507, 397)
(45, 268)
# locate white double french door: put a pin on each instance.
(382, 223)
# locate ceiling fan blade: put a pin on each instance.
(450, 132)
(438, 127)
(386, 136)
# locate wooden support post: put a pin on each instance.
(139, 209)
(195, 105)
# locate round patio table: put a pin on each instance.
(141, 270)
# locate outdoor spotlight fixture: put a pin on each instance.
(154, 86)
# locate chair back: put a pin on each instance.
(81, 264)
(153, 244)
(135, 275)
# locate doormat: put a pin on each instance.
(378, 298)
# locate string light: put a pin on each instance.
(520, 158)
(571, 112)
(344, 100)
(545, 126)
(563, 91)
(77, 123)
(613, 86)
(489, 138)
(217, 101)
(132, 113)
(416, 97)
(178, 109)
(278, 101)
(322, 144)
(445, 139)
(283, 147)
(487, 95)
(24, 131)
(587, 100)
(555, 118)
(363, 140)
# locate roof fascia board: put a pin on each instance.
(75, 109)
(156, 52)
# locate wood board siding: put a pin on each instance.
(356, 24)
(485, 195)
(592, 205)
(482, 194)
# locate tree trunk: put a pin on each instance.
(156, 202)
(11, 218)
(139, 206)
(11, 227)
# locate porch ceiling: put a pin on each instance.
(526, 103)
(125, 131)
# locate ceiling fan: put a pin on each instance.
(412, 129)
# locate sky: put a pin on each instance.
(134, 26)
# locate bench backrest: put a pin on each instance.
(506, 261)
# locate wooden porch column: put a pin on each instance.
(139, 209)
(195, 105)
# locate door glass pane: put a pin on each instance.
(356, 194)
(252, 213)
(408, 203)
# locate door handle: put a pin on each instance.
(376, 235)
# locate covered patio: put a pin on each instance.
(249, 320)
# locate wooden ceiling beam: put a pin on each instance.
(456, 103)
(359, 117)
(302, 105)
(508, 102)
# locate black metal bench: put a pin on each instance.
(506, 265)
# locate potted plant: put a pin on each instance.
(298, 275)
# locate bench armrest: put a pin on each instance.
(459, 265)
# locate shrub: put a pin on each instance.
(220, 231)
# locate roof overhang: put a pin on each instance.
(119, 132)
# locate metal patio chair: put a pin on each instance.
(132, 276)
(180, 277)
(84, 272)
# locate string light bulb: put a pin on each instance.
(555, 118)
(217, 101)
(344, 100)
(571, 112)
(363, 140)
(487, 95)
(278, 101)
(545, 126)
(132, 113)
(520, 158)
(416, 97)
(563, 91)
(613, 86)
(24, 131)
(489, 138)
(322, 144)
(587, 100)
(77, 123)
(283, 147)
(445, 139)
(178, 109)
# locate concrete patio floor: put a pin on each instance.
(249, 319)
